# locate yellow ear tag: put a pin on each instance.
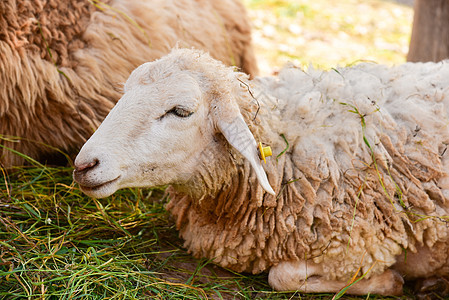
(264, 152)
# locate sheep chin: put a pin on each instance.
(103, 190)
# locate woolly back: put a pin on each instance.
(62, 63)
(361, 174)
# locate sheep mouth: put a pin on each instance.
(94, 188)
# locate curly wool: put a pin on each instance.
(362, 181)
(62, 63)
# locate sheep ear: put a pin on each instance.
(240, 137)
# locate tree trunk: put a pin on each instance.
(430, 33)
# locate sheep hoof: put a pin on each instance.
(432, 288)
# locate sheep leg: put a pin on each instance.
(308, 277)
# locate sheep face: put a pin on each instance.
(146, 140)
(158, 132)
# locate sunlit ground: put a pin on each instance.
(328, 33)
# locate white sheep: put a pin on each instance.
(63, 62)
(358, 180)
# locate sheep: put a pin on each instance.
(358, 183)
(62, 63)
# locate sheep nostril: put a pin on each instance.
(87, 166)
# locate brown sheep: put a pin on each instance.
(62, 63)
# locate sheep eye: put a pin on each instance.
(180, 112)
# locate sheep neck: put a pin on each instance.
(235, 218)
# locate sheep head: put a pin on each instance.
(171, 112)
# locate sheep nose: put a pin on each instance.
(86, 166)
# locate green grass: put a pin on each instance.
(56, 243)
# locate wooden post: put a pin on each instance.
(430, 33)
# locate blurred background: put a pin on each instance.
(329, 33)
